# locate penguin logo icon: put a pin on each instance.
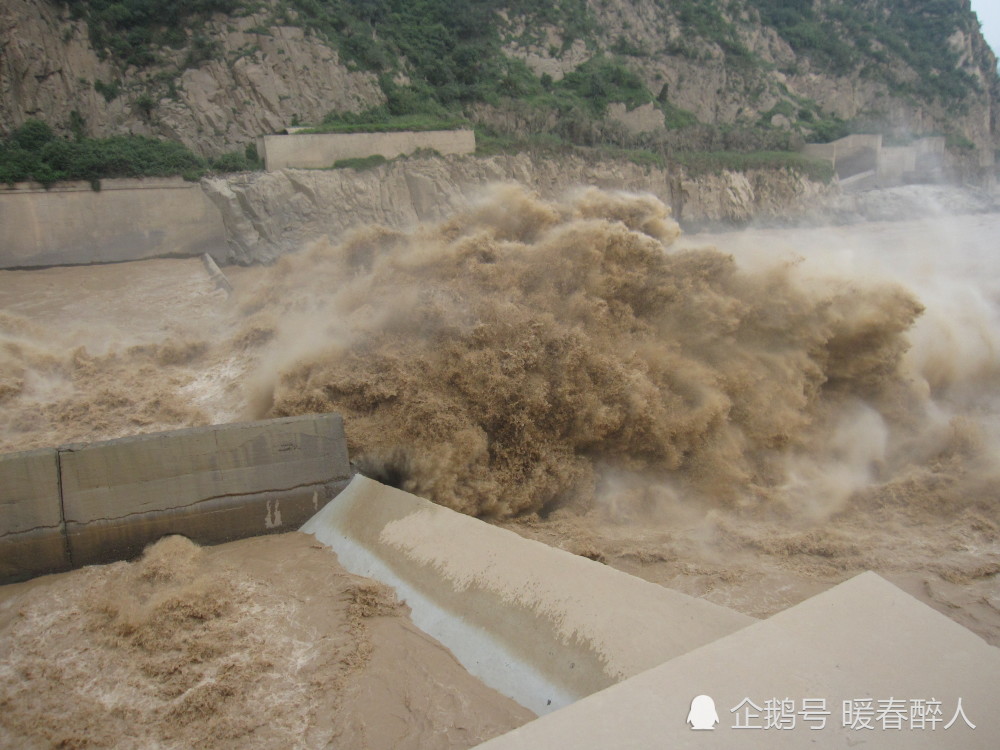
(702, 714)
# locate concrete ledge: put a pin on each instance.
(99, 502)
(72, 224)
(541, 625)
(864, 640)
(32, 541)
(321, 150)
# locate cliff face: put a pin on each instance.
(742, 70)
(254, 83)
(268, 214)
(742, 63)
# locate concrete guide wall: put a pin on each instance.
(864, 640)
(860, 154)
(541, 625)
(31, 536)
(321, 150)
(99, 502)
(71, 224)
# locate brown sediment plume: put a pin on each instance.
(496, 362)
(54, 394)
(263, 643)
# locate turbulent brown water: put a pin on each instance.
(788, 409)
(750, 424)
(506, 360)
(263, 643)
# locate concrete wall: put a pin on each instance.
(858, 155)
(896, 161)
(127, 219)
(321, 150)
(84, 504)
(845, 148)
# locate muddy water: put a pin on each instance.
(262, 643)
(749, 417)
(916, 502)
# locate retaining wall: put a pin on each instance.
(539, 624)
(128, 219)
(94, 503)
(860, 154)
(321, 150)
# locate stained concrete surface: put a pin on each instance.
(90, 503)
(72, 224)
(537, 623)
(865, 642)
(31, 538)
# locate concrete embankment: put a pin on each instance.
(322, 150)
(84, 504)
(539, 624)
(72, 224)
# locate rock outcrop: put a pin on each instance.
(268, 214)
(241, 76)
(259, 80)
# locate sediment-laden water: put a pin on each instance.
(749, 417)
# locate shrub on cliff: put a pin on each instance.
(33, 152)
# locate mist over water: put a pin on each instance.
(747, 417)
(507, 359)
(528, 355)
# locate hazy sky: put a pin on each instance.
(989, 16)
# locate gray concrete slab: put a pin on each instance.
(31, 535)
(71, 224)
(211, 484)
(539, 624)
(321, 150)
(893, 660)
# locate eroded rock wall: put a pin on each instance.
(268, 214)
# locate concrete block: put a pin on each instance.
(864, 640)
(212, 484)
(71, 224)
(321, 150)
(31, 534)
(539, 624)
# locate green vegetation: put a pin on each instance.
(959, 142)
(843, 36)
(451, 47)
(34, 153)
(694, 162)
(704, 19)
(378, 120)
(131, 30)
(600, 81)
(709, 162)
(440, 64)
(362, 163)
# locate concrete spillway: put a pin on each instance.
(611, 660)
(539, 624)
(861, 664)
(623, 660)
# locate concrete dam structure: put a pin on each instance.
(93, 503)
(863, 161)
(73, 224)
(321, 150)
(606, 659)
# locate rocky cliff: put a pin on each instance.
(798, 69)
(259, 78)
(268, 214)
